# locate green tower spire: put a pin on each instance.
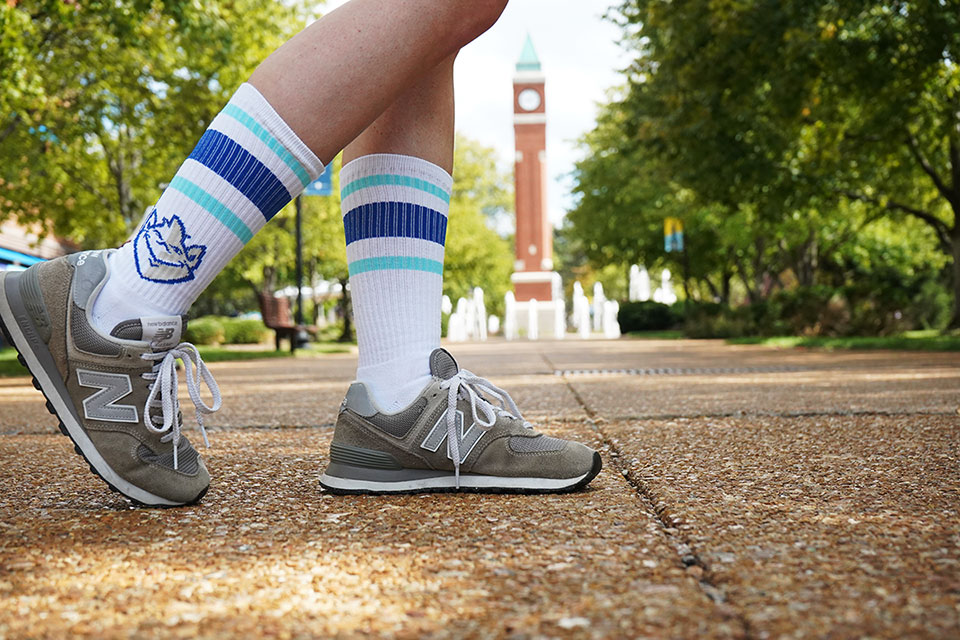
(528, 57)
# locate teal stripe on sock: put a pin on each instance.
(383, 263)
(257, 129)
(394, 180)
(214, 207)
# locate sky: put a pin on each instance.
(580, 58)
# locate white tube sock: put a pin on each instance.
(247, 166)
(395, 222)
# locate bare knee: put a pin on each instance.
(469, 19)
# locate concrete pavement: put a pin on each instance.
(748, 493)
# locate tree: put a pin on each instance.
(786, 106)
(475, 255)
(738, 250)
(101, 101)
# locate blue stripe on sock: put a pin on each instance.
(241, 168)
(394, 220)
(394, 180)
(214, 207)
(406, 263)
(258, 130)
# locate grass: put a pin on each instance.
(657, 335)
(9, 366)
(911, 340)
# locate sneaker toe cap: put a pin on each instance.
(153, 472)
(572, 460)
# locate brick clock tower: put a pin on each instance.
(533, 277)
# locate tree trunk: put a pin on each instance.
(955, 246)
(714, 292)
(347, 310)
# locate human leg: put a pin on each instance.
(110, 375)
(395, 186)
(303, 104)
(411, 397)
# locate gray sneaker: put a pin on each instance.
(489, 448)
(115, 395)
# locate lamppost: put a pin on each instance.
(302, 338)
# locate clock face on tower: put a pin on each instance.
(529, 99)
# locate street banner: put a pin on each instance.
(322, 186)
(672, 234)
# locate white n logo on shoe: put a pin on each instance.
(112, 387)
(438, 434)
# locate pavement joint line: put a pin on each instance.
(678, 371)
(689, 556)
(774, 414)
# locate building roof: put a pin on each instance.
(22, 244)
(528, 57)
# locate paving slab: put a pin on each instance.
(306, 391)
(749, 492)
(707, 378)
(837, 526)
(901, 389)
(268, 554)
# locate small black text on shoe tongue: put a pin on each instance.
(162, 332)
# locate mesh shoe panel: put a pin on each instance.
(129, 330)
(540, 444)
(399, 424)
(86, 338)
(188, 460)
(442, 364)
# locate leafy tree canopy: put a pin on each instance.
(101, 101)
(781, 132)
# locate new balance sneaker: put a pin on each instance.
(115, 395)
(489, 447)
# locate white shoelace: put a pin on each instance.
(473, 388)
(165, 384)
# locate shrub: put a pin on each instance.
(206, 330)
(717, 321)
(646, 316)
(243, 331)
(803, 311)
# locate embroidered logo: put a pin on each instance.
(162, 251)
(110, 387)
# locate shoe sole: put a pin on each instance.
(469, 483)
(19, 332)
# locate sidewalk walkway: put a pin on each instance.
(747, 493)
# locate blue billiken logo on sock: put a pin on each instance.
(162, 251)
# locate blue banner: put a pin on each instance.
(322, 186)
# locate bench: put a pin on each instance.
(276, 316)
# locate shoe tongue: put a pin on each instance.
(442, 364)
(162, 332)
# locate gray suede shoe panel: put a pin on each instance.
(95, 384)
(416, 439)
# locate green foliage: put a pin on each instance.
(206, 331)
(100, 102)
(646, 316)
(9, 365)
(216, 330)
(910, 340)
(475, 255)
(244, 331)
(803, 144)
